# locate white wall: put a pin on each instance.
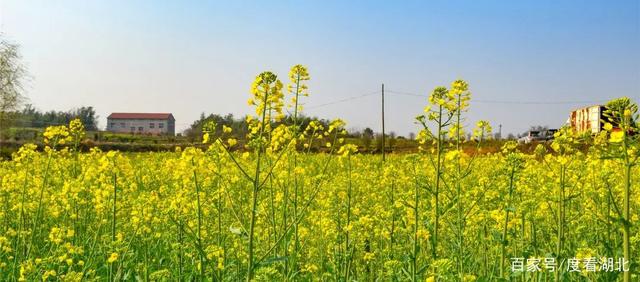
(114, 125)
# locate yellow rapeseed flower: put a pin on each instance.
(608, 126)
(616, 136)
(112, 258)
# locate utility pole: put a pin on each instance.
(383, 137)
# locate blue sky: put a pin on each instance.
(188, 57)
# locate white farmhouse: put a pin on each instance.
(142, 123)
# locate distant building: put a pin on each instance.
(142, 123)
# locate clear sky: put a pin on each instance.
(543, 58)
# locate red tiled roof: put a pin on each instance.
(140, 116)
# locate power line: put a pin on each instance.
(406, 93)
(343, 100)
(506, 101)
(186, 123)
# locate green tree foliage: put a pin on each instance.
(239, 125)
(32, 117)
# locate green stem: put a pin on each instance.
(460, 202)
(256, 188)
(626, 229)
(113, 222)
(503, 252)
(416, 228)
(199, 226)
(436, 227)
(560, 223)
(347, 245)
(36, 223)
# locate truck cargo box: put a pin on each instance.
(588, 119)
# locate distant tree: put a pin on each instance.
(510, 136)
(239, 125)
(367, 137)
(32, 117)
(303, 121)
(354, 132)
(12, 74)
(28, 114)
(392, 140)
(368, 132)
(194, 132)
(538, 128)
(88, 117)
(412, 136)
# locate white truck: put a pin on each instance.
(537, 136)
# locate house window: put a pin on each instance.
(160, 125)
(140, 128)
(152, 125)
(122, 124)
(113, 124)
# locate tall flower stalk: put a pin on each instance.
(53, 136)
(514, 164)
(563, 145)
(267, 91)
(440, 111)
(460, 92)
(623, 144)
(298, 75)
